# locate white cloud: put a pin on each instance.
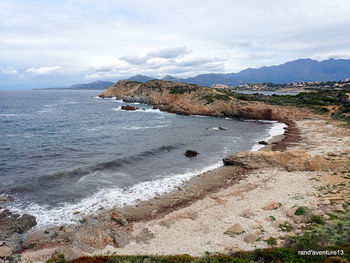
(43, 71)
(8, 71)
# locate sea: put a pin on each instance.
(65, 154)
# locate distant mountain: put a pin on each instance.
(95, 85)
(102, 85)
(301, 70)
(140, 78)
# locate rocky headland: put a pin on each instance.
(189, 99)
(246, 204)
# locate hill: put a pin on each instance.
(97, 85)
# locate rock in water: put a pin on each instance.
(191, 153)
(263, 143)
(128, 107)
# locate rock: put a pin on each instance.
(326, 202)
(235, 229)
(339, 208)
(121, 239)
(271, 206)
(223, 129)
(117, 216)
(90, 239)
(250, 238)
(291, 234)
(191, 153)
(144, 236)
(291, 161)
(129, 108)
(290, 212)
(70, 253)
(4, 198)
(318, 213)
(230, 250)
(5, 251)
(93, 222)
(297, 219)
(13, 228)
(35, 239)
(69, 230)
(263, 143)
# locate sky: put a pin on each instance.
(58, 43)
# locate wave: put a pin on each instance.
(8, 115)
(105, 199)
(145, 127)
(110, 165)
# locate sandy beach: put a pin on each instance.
(231, 208)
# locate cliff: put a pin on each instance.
(190, 99)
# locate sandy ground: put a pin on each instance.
(201, 226)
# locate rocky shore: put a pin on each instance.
(250, 202)
(239, 206)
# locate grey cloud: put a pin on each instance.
(169, 52)
(135, 60)
(198, 61)
(239, 43)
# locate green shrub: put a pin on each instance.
(300, 211)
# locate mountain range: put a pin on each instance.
(301, 70)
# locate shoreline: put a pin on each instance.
(195, 189)
(195, 218)
(202, 184)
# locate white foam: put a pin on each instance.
(8, 115)
(145, 127)
(106, 199)
(276, 129)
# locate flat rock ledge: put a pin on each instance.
(291, 161)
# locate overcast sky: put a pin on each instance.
(63, 42)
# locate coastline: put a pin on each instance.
(197, 216)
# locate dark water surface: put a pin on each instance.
(65, 151)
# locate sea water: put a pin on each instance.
(64, 151)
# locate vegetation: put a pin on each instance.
(317, 101)
(277, 255)
(185, 88)
(210, 98)
(300, 211)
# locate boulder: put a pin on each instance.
(121, 239)
(290, 212)
(235, 229)
(339, 208)
(231, 250)
(91, 239)
(5, 251)
(250, 238)
(13, 228)
(144, 236)
(263, 142)
(191, 153)
(129, 108)
(70, 253)
(271, 206)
